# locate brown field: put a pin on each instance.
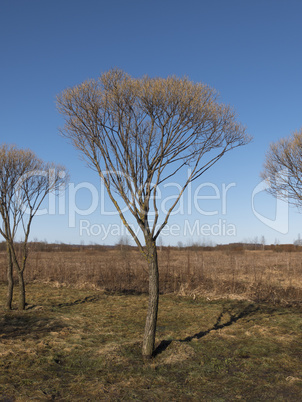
(229, 327)
(257, 275)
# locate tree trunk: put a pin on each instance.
(150, 327)
(21, 305)
(10, 281)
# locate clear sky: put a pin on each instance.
(250, 51)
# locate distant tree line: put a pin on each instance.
(64, 247)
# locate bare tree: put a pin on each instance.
(263, 242)
(25, 181)
(139, 133)
(283, 169)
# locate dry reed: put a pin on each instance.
(255, 275)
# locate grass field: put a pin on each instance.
(260, 276)
(83, 343)
(79, 345)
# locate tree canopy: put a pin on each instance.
(140, 132)
(283, 168)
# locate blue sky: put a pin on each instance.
(250, 51)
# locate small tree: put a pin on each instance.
(263, 242)
(139, 133)
(25, 181)
(283, 169)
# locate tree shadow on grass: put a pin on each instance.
(87, 299)
(13, 326)
(233, 318)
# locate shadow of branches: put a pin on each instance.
(233, 318)
(13, 326)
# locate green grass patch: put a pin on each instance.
(81, 345)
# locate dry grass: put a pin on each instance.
(253, 275)
(80, 337)
(85, 345)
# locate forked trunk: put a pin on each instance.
(10, 281)
(150, 327)
(21, 305)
